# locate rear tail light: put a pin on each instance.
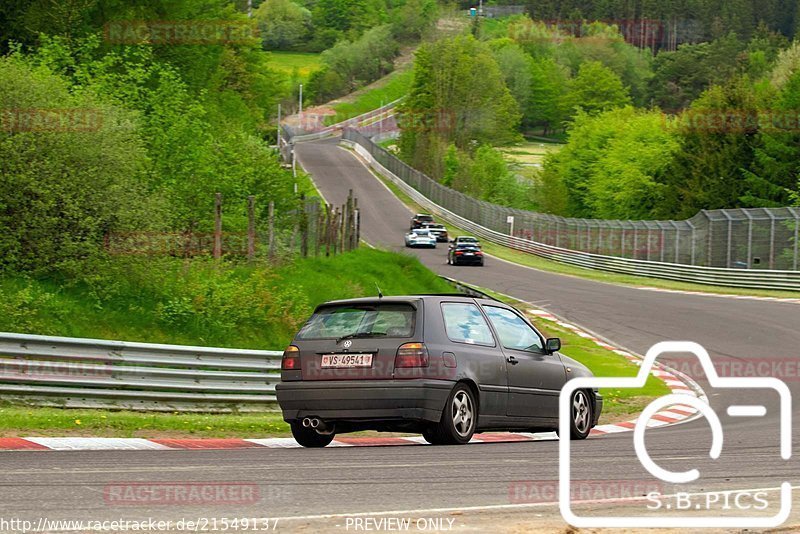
(459, 253)
(411, 355)
(479, 253)
(291, 359)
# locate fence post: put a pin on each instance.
(303, 223)
(271, 223)
(218, 226)
(328, 216)
(318, 234)
(356, 221)
(771, 241)
(796, 238)
(251, 227)
(729, 252)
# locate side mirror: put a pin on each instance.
(552, 345)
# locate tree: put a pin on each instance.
(548, 105)
(414, 19)
(516, 67)
(613, 166)
(66, 178)
(774, 178)
(458, 84)
(349, 65)
(282, 23)
(718, 134)
(596, 89)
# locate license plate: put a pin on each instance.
(468, 254)
(346, 360)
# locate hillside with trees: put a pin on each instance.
(651, 130)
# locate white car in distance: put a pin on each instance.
(420, 237)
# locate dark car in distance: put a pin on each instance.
(421, 219)
(465, 253)
(445, 366)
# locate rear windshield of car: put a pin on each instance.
(425, 217)
(379, 320)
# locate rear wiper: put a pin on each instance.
(360, 335)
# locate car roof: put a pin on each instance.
(410, 299)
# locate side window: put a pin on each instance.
(514, 332)
(464, 323)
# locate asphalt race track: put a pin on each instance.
(297, 482)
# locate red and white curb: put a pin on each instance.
(676, 381)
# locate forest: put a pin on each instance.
(652, 128)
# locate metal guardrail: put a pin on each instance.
(335, 129)
(743, 278)
(93, 373)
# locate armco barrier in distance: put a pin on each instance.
(657, 241)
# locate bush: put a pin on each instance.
(67, 183)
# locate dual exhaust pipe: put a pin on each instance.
(318, 425)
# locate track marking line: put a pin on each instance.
(422, 511)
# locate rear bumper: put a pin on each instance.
(469, 260)
(412, 400)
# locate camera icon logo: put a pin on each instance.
(717, 435)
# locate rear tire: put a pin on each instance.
(459, 419)
(308, 437)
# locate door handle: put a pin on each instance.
(512, 360)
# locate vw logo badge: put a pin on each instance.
(347, 344)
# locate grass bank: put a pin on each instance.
(300, 64)
(389, 89)
(200, 302)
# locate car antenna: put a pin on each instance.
(380, 294)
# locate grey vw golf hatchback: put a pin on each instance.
(444, 366)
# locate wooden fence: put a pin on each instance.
(311, 229)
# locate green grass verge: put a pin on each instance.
(392, 87)
(21, 421)
(303, 64)
(542, 264)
